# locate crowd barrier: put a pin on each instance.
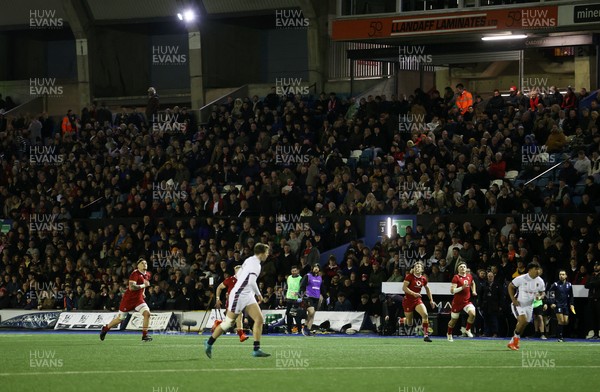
(195, 321)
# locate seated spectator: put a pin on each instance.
(342, 304)
(4, 299)
(556, 141)
(87, 301)
(497, 169)
(582, 164)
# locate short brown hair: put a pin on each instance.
(260, 248)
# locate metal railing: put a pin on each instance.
(204, 111)
(34, 107)
(340, 67)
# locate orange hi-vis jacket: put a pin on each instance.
(464, 101)
(66, 126)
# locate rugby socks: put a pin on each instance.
(426, 329)
(240, 332)
(256, 345)
(144, 332)
(468, 327)
(211, 341)
(559, 329)
(450, 330)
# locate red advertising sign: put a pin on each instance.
(459, 22)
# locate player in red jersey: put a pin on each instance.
(133, 300)
(228, 284)
(462, 286)
(413, 284)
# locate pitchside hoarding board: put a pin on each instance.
(158, 321)
(84, 321)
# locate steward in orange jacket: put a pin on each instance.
(464, 99)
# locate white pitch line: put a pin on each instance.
(202, 370)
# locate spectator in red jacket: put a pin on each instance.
(497, 169)
(570, 100)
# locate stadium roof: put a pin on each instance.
(136, 11)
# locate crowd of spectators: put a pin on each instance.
(194, 198)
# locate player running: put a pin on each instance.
(312, 285)
(133, 300)
(462, 287)
(413, 284)
(244, 297)
(560, 297)
(229, 284)
(530, 287)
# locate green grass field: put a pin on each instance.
(176, 363)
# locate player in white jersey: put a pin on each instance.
(531, 287)
(244, 296)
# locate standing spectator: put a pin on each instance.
(495, 105)
(152, 106)
(68, 124)
(311, 253)
(593, 314)
(464, 99)
(491, 300)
